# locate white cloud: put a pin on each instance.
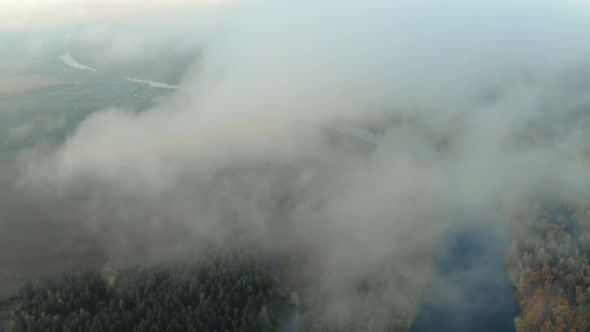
(470, 79)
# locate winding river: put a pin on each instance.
(67, 59)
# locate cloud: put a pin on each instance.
(473, 98)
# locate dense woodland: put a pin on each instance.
(548, 263)
(229, 292)
(225, 292)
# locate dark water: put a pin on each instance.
(470, 289)
(289, 321)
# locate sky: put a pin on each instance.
(26, 14)
(40, 14)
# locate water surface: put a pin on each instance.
(470, 290)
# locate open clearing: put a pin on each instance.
(27, 82)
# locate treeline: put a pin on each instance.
(231, 291)
(548, 263)
(224, 292)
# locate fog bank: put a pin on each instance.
(478, 102)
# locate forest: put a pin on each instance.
(219, 291)
(549, 266)
(224, 292)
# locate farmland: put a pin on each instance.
(27, 82)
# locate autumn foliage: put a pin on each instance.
(548, 263)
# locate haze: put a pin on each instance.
(476, 108)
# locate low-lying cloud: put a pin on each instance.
(479, 101)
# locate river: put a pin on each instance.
(470, 290)
(67, 59)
